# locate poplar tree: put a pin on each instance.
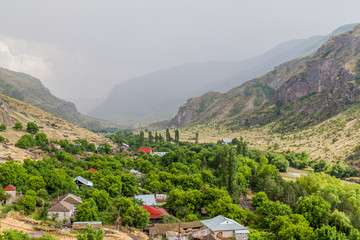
(150, 137)
(141, 138)
(168, 137)
(177, 136)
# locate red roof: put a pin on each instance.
(10, 188)
(155, 213)
(145, 149)
(92, 170)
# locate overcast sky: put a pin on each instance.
(82, 48)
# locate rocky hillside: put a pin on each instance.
(297, 93)
(157, 95)
(12, 110)
(30, 90)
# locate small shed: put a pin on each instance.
(10, 189)
(82, 181)
(148, 199)
(226, 141)
(160, 154)
(83, 225)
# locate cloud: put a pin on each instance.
(18, 55)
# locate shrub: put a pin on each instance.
(18, 126)
(25, 141)
(32, 128)
(2, 127)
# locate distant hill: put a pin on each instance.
(297, 93)
(12, 110)
(28, 89)
(157, 95)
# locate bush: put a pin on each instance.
(2, 127)
(26, 141)
(2, 139)
(32, 128)
(18, 126)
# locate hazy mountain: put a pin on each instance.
(157, 95)
(297, 93)
(30, 90)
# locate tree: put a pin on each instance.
(91, 234)
(2, 127)
(105, 148)
(167, 135)
(295, 227)
(315, 209)
(86, 213)
(150, 137)
(29, 201)
(32, 128)
(141, 138)
(341, 222)
(14, 235)
(197, 137)
(328, 233)
(26, 141)
(191, 218)
(232, 173)
(177, 136)
(18, 126)
(259, 199)
(102, 199)
(41, 140)
(36, 183)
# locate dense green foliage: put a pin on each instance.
(197, 178)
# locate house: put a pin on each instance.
(82, 181)
(62, 210)
(92, 170)
(56, 146)
(160, 154)
(146, 150)
(225, 228)
(148, 199)
(69, 198)
(83, 225)
(10, 189)
(64, 207)
(160, 230)
(160, 197)
(226, 141)
(155, 213)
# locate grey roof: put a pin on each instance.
(125, 145)
(160, 154)
(227, 140)
(221, 223)
(148, 199)
(83, 181)
(133, 171)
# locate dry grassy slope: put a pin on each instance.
(333, 139)
(28, 225)
(55, 128)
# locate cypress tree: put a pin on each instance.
(141, 138)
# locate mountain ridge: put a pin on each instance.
(165, 90)
(28, 89)
(299, 92)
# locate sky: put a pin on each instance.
(81, 49)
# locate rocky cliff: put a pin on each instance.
(299, 92)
